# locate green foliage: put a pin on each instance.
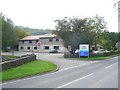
(99, 27)
(20, 32)
(111, 39)
(97, 57)
(10, 56)
(92, 31)
(38, 31)
(10, 33)
(76, 31)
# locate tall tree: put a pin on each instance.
(99, 27)
(10, 33)
(74, 31)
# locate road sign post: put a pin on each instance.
(38, 45)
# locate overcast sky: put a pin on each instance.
(42, 13)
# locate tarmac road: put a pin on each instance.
(75, 74)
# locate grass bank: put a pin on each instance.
(10, 56)
(29, 69)
(96, 58)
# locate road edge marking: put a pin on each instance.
(111, 65)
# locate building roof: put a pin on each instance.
(36, 37)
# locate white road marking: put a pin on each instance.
(78, 66)
(75, 80)
(111, 65)
(72, 67)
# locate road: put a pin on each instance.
(98, 74)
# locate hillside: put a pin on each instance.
(38, 31)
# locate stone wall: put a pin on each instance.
(69, 55)
(17, 62)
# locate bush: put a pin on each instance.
(103, 54)
(76, 55)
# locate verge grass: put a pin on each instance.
(96, 58)
(10, 56)
(29, 69)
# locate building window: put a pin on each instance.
(28, 48)
(30, 41)
(46, 47)
(57, 39)
(36, 41)
(50, 39)
(21, 47)
(35, 48)
(56, 47)
(22, 41)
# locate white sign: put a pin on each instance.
(84, 50)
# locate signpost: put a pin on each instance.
(84, 50)
(38, 45)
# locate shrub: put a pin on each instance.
(76, 55)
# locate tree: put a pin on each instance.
(8, 33)
(116, 45)
(74, 31)
(109, 40)
(98, 27)
(20, 32)
(11, 33)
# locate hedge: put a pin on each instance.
(76, 55)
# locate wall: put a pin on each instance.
(17, 62)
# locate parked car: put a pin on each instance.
(101, 51)
(77, 51)
(53, 51)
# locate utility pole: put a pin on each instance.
(0, 35)
(118, 24)
(118, 16)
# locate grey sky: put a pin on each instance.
(42, 13)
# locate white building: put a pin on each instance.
(48, 41)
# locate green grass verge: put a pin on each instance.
(10, 56)
(29, 69)
(96, 58)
